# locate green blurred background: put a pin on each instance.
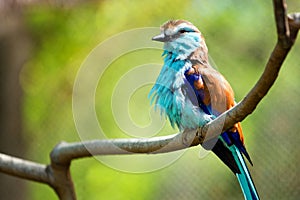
(240, 36)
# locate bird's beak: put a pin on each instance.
(161, 38)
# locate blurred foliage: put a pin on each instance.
(240, 36)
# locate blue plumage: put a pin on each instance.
(173, 94)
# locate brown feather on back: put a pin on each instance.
(220, 96)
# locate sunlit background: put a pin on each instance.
(54, 39)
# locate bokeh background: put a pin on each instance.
(42, 46)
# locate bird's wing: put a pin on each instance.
(217, 90)
(218, 93)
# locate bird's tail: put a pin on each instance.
(244, 176)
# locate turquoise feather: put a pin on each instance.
(170, 95)
(244, 177)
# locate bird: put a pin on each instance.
(190, 93)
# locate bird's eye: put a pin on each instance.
(182, 31)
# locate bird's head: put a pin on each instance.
(180, 37)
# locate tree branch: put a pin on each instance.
(23, 169)
(57, 173)
(64, 152)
